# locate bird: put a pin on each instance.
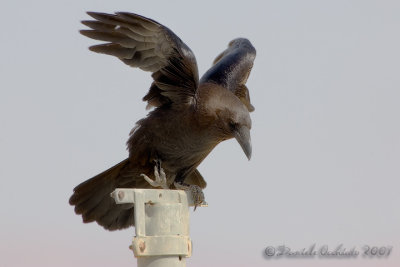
(188, 116)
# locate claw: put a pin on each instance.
(160, 180)
(195, 191)
(159, 175)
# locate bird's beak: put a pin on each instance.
(242, 135)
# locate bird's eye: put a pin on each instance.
(232, 125)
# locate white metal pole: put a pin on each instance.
(161, 225)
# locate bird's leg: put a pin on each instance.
(195, 191)
(159, 174)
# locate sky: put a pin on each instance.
(326, 134)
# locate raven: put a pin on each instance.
(189, 117)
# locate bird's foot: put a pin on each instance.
(195, 191)
(160, 177)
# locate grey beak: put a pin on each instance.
(242, 135)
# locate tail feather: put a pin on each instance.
(92, 200)
(110, 217)
(98, 211)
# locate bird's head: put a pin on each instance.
(231, 118)
(234, 121)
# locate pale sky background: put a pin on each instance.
(326, 130)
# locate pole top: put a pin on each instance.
(152, 196)
(161, 221)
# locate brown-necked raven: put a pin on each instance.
(189, 117)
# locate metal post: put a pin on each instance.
(161, 225)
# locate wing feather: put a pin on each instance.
(144, 43)
(232, 68)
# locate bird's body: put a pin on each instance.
(190, 117)
(179, 138)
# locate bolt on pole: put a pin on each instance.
(161, 225)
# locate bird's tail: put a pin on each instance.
(92, 200)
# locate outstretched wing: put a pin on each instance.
(232, 68)
(146, 44)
